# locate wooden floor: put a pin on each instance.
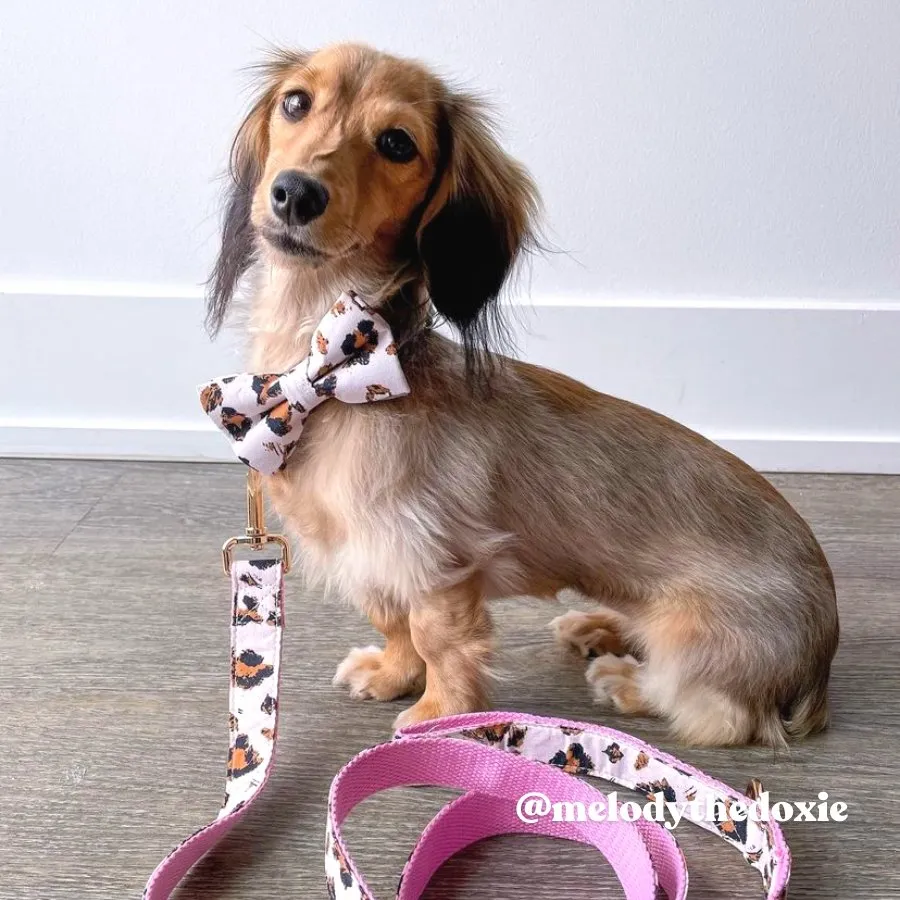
(113, 691)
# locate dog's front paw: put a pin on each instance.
(428, 708)
(370, 676)
(422, 711)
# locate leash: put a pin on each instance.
(494, 758)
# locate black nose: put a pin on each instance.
(298, 198)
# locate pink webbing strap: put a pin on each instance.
(497, 780)
(473, 817)
(494, 758)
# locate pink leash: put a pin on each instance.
(494, 758)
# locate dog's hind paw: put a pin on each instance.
(614, 681)
(590, 634)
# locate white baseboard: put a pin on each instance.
(859, 456)
(155, 441)
(162, 443)
(108, 371)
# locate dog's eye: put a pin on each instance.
(396, 145)
(296, 105)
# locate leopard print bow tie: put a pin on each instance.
(352, 357)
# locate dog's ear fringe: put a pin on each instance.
(237, 248)
(473, 245)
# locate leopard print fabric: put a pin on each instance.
(253, 697)
(352, 357)
(629, 763)
(256, 628)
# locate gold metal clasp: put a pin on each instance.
(256, 537)
(256, 511)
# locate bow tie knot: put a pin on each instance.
(352, 357)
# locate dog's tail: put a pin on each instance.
(805, 711)
(809, 712)
(806, 715)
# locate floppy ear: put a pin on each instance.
(479, 221)
(248, 158)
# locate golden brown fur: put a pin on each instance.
(496, 478)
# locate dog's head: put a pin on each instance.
(370, 166)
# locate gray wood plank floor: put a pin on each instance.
(113, 692)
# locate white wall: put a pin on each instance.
(724, 177)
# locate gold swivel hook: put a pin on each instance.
(256, 537)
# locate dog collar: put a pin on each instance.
(352, 357)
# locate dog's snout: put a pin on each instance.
(298, 198)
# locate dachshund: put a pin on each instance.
(359, 171)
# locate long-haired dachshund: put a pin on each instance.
(359, 171)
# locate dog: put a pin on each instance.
(356, 170)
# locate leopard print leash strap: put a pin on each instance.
(494, 758)
(257, 619)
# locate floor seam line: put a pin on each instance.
(93, 506)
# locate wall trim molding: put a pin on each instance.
(64, 287)
(98, 439)
(107, 370)
(163, 441)
(61, 287)
(800, 304)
